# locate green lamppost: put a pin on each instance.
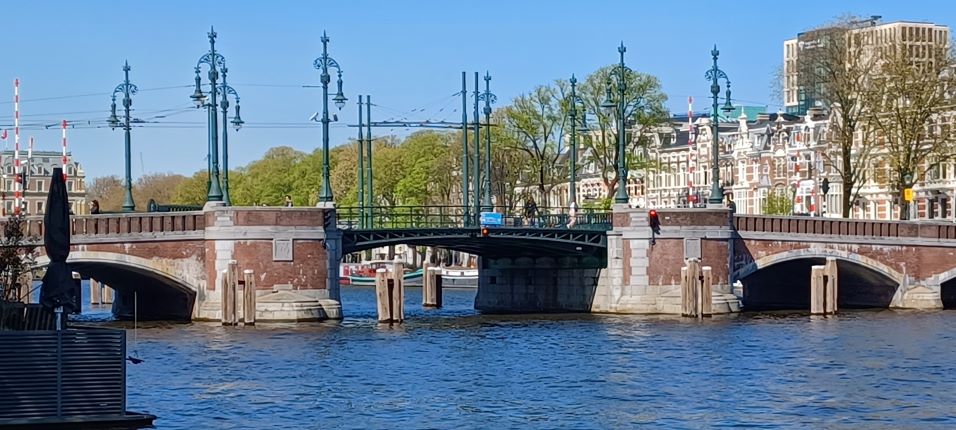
(716, 192)
(361, 164)
(323, 63)
(620, 74)
(573, 169)
(214, 61)
(236, 122)
(127, 89)
(489, 98)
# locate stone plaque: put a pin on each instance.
(281, 249)
(692, 248)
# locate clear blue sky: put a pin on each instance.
(408, 55)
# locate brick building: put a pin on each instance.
(38, 170)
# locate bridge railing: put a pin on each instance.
(124, 224)
(845, 227)
(412, 217)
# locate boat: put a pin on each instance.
(363, 274)
(459, 277)
(410, 279)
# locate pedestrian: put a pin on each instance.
(288, 201)
(95, 207)
(530, 210)
(731, 205)
(572, 214)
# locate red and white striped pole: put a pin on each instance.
(690, 149)
(16, 146)
(3, 175)
(64, 125)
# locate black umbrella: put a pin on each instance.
(58, 282)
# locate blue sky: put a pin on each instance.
(407, 55)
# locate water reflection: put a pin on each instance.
(455, 368)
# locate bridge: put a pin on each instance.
(172, 263)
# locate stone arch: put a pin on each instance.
(782, 280)
(947, 287)
(161, 288)
(797, 254)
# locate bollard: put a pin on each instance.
(706, 292)
(382, 300)
(817, 291)
(437, 285)
(426, 282)
(690, 277)
(249, 297)
(832, 287)
(96, 292)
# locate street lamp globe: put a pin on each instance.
(339, 98)
(197, 96)
(237, 121)
(608, 103)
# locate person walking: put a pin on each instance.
(572, 214)
(95, 207)
(530, 210)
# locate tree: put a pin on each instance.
(644, 107)
(834, 66)
(108, 191)
(507, 165)
(913, 114)
(269, 179)
(778, 202)
(160, 187)
(17, 252)
(192, 190)
(535, 119)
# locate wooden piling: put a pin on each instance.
(832, 286)
(382, 300)
(228, 296)
(107, 295)
(690, 288)
(817, 291)
(96, 292)
(249, 297)
(431, 289)
(706, 293)
(398, 292)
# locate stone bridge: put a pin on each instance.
(172, 263)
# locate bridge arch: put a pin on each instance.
(161, 289)
(499, 243)
(947, 288)
(782, 280)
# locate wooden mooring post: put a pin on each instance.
(96, 292)
(249, 297)
(824, 288)
(230, 284)
(431, 288)
(696, 292)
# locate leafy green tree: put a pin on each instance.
(778, 202)
(535, 120)
(644, 101)
(193, 190)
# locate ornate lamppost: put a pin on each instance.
(126, 89)
(236, 122)
(716, 193)
(215, 61)
(323, 63)
(489, 98)
(574, 100)
(620, 73)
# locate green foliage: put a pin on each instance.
(17, 252)
(778, 202)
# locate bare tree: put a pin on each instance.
(914, 113)
(535, 120)
(834, 65)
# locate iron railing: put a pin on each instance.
(431, 217)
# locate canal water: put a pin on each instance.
(455, 368)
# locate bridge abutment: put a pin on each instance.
(643, 275)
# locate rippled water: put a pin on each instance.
(454, 368)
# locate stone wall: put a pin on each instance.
(543, 284)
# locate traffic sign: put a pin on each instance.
(491, 218)
(908, 194)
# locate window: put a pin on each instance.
(40, 186)
(39, 207)
(69, 185)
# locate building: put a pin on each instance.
(39, 169)
(915, 38)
